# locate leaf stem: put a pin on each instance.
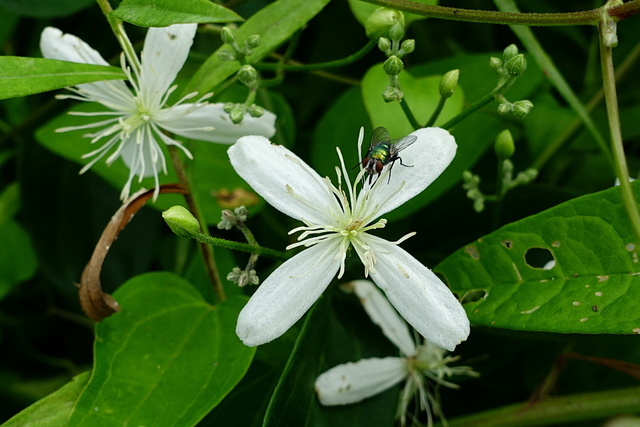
(121, 35)
(407, 112)
(205, 249)
(587, 17)
(242, 247)
(613, 116)
(436, 112)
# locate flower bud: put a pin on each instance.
(253, 41)
(226, 55)
(393, 66)
(256, 111)
(236, 115)
(509, 52)
(516, 66)
(380, 22)
(228, 35)
(247, 75)
(496, 64)
(384, 44)
(408, 46)
(522, 108)
(449, 83)
(397, 31)
(504, 108)
(504, 145)
(181, 221)
(229, 107)
(391, 94)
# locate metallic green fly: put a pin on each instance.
(384, 150)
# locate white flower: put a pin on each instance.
(138, 116)
(352, 382)
(336, 219)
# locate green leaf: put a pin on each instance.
(336, 330)
(166, 359)
(18, 260)
(420, 93)
(44, 9)
(275, 23)
(53, 410)
(594, 286)
(161, 13)
(25, 76)
(9, 202)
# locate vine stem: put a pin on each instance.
(205, 249)
(121, 35)
(613, 116)
(587, 17)
(242, 247)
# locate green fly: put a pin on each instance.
(384, 150)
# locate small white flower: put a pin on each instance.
(336, 219)
(138, 116)
(418, 365)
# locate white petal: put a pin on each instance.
(429, 156)
(384, 315)
(288, 293)
(419, 295)
(270, 168)
(163, 55)
(66, 47)
(190, 124)
(353, 382)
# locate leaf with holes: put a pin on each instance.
(571, 269)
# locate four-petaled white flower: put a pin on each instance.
(336, 219)
(418, 365)
(139, 117)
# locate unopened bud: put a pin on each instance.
(449, 83)
(397, 31)
(236, 115)
(228, 35)
(509, 52)
(408, 46)
(256, 111)
(393, 66)
(253, 41)
(495, 64)
(504, 145)
(522, 108)
(227, 55)
(384, 44)
(181, 221)
(391, 94)
(229, 107)
(516, 66)
(247, 75)
(380, 22)
(504, 108)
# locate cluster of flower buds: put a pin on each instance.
(237, 52)
(511, 66)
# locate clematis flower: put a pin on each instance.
(139, 119)
(422, 366)
(336, 218)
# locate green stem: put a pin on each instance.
(206, 250)
(322, 65)
(556, 410)
(436, 112)
(407, 112)
(242, 247)
(587, 17)
(620, 162)
(121, 36)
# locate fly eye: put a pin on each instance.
(379, 167)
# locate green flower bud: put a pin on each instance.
(253, 41)
(496, 64)
(393, 66)
(509, 52)
(504, 108)
(391, 94)
(516, 66)
(228, 35)
(237, 115)
(504, 145)
(229, 107)
(522, 108)
(449, 83)
(408, 46)
(380, 22)
(384, 45)
(227, 55)
(397, 31)
(181, 221)
(256, 111)
(247, 75)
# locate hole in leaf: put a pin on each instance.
(541, 258)
(473, 296)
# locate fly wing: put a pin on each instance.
(398, 145)
(379, 134)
